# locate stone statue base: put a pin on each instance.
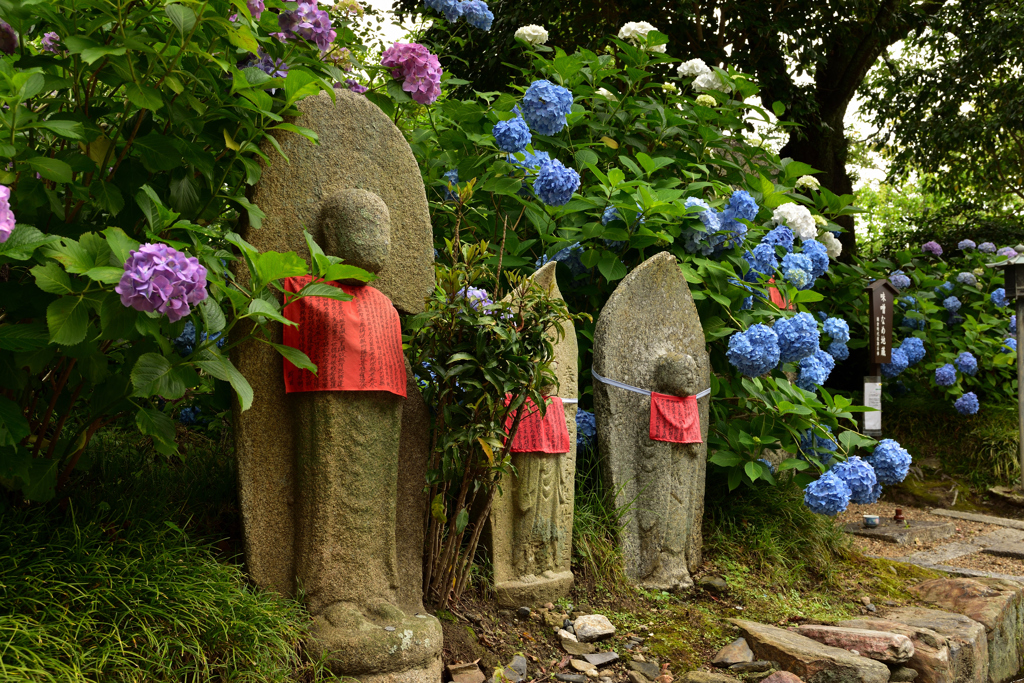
(533, 590)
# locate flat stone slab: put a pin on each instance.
(891, 648)
(903, 533)
(1015, 550)
(931, 658)
(602, 658)
(974, 517)
(940, 554)
(735, 652)
(965, 638)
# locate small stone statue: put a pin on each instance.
(650, 337)
(328, 511)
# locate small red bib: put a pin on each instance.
(356, 345)
(675, 419)
(536, 434)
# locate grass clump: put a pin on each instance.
(596, 525)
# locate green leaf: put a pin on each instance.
(299, 84)
(66, 129)
(275, 265)
(725, 458)
(13, 425)
(221, 368)
(296, 357)
(262, 307)
(241, 37)
(156, 424)
(51, 169)
(22, 243)
(611, 267)
(182, 17)
(753, 470)
(461, 520)
(394, 89)
(117, 321)
(24, 337)
(92, 54)
(779, 108)
(107, 196)
(68, 320)
(52, 278)
(325, 291)
(343, 271)
(254, 213)
(153, 375)
(808, 296)
(42, 480)
(157, 152)
(586, 156)
(120, 243)
(213, 316)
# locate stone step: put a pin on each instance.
(903, 533)
(974, 517)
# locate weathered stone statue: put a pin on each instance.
(649, 336)
(531, 522)
(331, 482)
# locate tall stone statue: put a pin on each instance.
(650, 337)
(331, 482)
(531, 521)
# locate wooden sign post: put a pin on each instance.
(881, 300)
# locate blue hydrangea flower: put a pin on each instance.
(814, 370)
(945, 376)
(967, 363)
(707, 241)
(908, 302)
(944, 288)
(732, 232)
(899, 280)
(780, 236)
(898, 362)
(1009, 342)
(185, 342)
(914, 348)
(768, 464)
(837, 329)
(1013, 324)
(838, 350)
(512, 136)
(762, 260)
(477, 14)
(987, 248)
(555, 183)
(860, 477)
(451, 9)
(951, 304)
(967, 279)
(586, 429)
(818, 254)
(798, 337)
(822, 447)
(797, 268)
(914, 323)
(965, 245)
(189, 415)
(967, 404)
(531, 160)
(743, 204)
(610, 214)
(891, 462)
(748, 303)
(754, 351)
(452, 177)
(570, 256)
(545, 106)
(998, 297)
(827, 495)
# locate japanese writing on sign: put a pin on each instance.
(882, 298)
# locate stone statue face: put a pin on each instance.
(676, 374)
(356, 226)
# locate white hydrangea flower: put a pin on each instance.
(532, 34)
(755, 141)
(670, 87)
(693, 68)
(820, 220)
(636, 32)
(832, 244)
(707, 101)
(807, 182)
(797, 218)
(708, 81)
(605, 93)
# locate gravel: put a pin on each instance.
(854, 513)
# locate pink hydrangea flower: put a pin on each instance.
(310, 23)
(256, 8)
(159, 278)
(6, 215)
(420, 70)
(932, 247)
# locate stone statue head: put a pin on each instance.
(676, 374)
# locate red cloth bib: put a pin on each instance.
(356, 345)
(536, 434)
(675, 418)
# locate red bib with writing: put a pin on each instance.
(356, 345)
(537, 433)
(675, 418)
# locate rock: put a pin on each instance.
(812, 661)
(567, 625)
(639, 658)
(997, 604)
(581, 665)
(757, 676)
(865, 600)
(891, 648)
(714, 584)
(637, 677)
(605, 679)
(593, 627)
(577, 648)
(466, 673)
(602, 658)
(782, 677)
(751, 667)
(966, 639)
(649, 335)
(735, 652)
(592, 674)
(871, 608)
(648, 669)
(706, 677)
(902, 674)
(523, 612)
(554, 620)
(565, 635)
(931, 653)
(571, 678)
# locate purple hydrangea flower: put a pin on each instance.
(51, 42)
(7, 221)
(898, 362)
(256, 8)
(891, 462)
(555, 183)
(420, 70)
(914, 348)
(932, 247)
(780, 236)
(860, 477)
(967, 404)
(899, 280)
(512, 136)
(987, 248)
(477, 14)
(355, 86)
(798, 337)
(945, 376)
(951, 304)
(545, 106)
(1007, 251)
(8, 38)
(477, 298)
(310, 23)
(967, 363)
(159, 278)
(998, 297)
(827, 495)
(965, 245)
(754, 351)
